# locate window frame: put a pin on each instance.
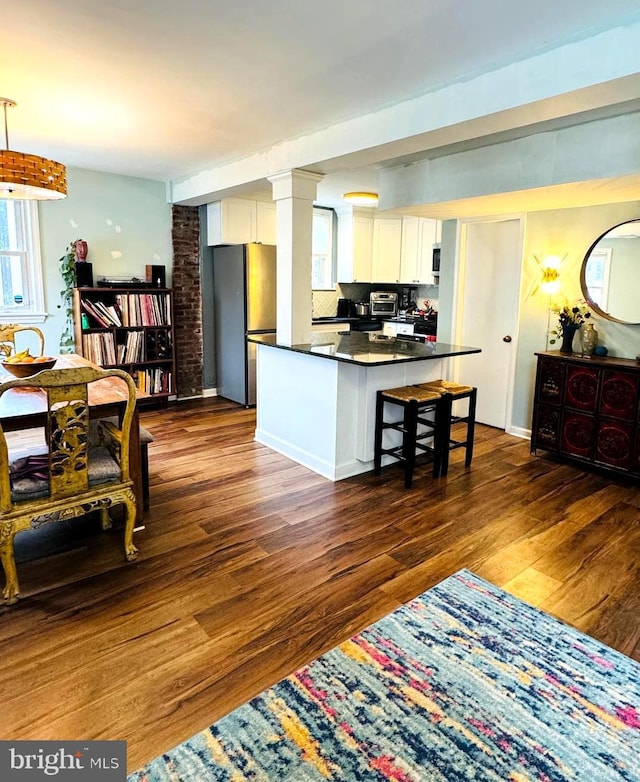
(317, 211)
(599, 288)
(26, 226)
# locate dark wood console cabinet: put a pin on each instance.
(587, 409)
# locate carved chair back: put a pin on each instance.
(8, 337)
(70, 479)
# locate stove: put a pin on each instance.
(421, 324)
(366, 324)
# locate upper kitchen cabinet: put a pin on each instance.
(241, 220)
(266, 230)
(409, 257)
(387, 249)
(355, 245)
(419, 234)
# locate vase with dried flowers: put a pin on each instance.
(570, 319)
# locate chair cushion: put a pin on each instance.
(446, 387)
(411, 394)
(102, 469)
(145, 434)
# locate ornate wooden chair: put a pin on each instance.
(67, 478)
(8, 337)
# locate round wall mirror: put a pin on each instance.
(610, 274)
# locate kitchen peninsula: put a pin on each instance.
(316, 400)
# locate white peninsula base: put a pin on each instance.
(321, 412)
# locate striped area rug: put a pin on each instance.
(463, 683)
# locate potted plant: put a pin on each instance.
(570, 318)
(68, 273)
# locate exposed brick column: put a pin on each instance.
(187, 300)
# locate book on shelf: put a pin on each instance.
(105, 315)
(99, 348)
(109, 312)
(132, 350)
(153, 381)
(145, 309)
(97, 317)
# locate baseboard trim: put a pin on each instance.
(325, 469)
(518, 431)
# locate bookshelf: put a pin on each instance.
(128, 328)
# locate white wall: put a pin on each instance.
(126, 222)
(560, 232)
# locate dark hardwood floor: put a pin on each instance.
(251, 565)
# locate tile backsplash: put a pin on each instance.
(325, 303)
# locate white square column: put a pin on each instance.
(294, 193)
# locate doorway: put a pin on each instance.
(489, 272)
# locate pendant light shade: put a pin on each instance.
(29, 177)
(361, 198)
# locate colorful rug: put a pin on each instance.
(463, 683)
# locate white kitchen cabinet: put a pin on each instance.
(385, 249)
(231, 221)
(410, 254)
(429, 235)
(418, 237)
(362, 249)
(355, 244)
(241, 220)
(266, 223)
(387, 244)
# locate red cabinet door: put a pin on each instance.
(550, 380)
(619, 397)
(547, 428)
(614, 444)
(578, 435)
(582, 388)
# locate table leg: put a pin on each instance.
(135, 468)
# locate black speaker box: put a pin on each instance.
(84, 274)
(157, 276)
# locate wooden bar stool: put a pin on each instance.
(456, 392)
(416, 403)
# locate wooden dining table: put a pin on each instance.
(25, 408)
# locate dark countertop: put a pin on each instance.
(366, 349)
(334, 319)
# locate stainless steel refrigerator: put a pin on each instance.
(244, 303)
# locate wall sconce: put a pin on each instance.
(550, 283)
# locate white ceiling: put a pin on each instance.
(163, 89)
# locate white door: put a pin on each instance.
(490, 269)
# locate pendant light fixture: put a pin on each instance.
(29, 177)
(361, 198)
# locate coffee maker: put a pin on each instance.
(346, 308)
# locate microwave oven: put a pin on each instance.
(383, 304)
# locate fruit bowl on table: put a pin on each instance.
(26, 369)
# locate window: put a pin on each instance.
(597, 276)
(322, 249)
(22, 296)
